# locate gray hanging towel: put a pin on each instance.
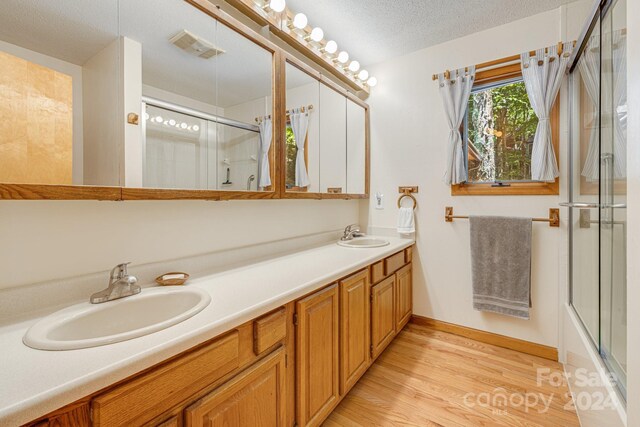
(501, 264)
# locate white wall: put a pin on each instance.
(101, 91)
(59, 239)
(409, 136)
(75, 72)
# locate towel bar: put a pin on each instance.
(553, 220)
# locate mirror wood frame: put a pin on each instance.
(17, 191)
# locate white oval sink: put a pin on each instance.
(364, 242)
(91, 325)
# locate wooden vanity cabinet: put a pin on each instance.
(383, 320)
(290, 366)
(354, 329)
(317, 367)
(254, 398)
(404, 296)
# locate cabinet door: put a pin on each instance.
(317, 356)
(383, 321)
(356, 148)
(255, 397)
(333, 141)
(404, 296)
(354, 329)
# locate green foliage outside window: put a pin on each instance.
(292, 151)
(501, 126)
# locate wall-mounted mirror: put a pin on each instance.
(132, 93)
(205, 100)
(58, 92)
(326, 138)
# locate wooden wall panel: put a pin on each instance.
(36, 129)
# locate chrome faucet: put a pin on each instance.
(351, 231)
(121, 285)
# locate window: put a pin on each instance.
(291, 153)
(498, 132)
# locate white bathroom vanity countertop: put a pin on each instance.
(36, 382)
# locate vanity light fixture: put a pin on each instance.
(317, 34)
(363, 75)
(300, 21)
(343, 57)
(277, 5)
(331, 47)
(354, 66)
(372, 82)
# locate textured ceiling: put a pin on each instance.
(376, 30)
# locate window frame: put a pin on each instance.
(508, 71)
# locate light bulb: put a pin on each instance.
(196, 128)
(343, 57)
(331, 47)
(277, 5)
(372, 81)
(159, 119)
(354, 66)
(300, 21)
(317, 34)
(183, 125)
(172, 122)
(363, 75)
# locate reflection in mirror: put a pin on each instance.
(303, 131)
(58, 81)
(213, 86)
(333, 141)
(356, 148)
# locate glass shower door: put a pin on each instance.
(598, 187)
(613, 325)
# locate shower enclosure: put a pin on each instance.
(188, 149)
(597, 194)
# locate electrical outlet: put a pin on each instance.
(379, 200)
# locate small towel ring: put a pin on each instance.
(415, 202)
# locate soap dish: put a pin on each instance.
(172, 279)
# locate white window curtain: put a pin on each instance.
(543, 74)
(264, 172)
(589, 68)
(619, 61)
(299, 126)
(455, 92)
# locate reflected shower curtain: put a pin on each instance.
(590, 73)
(264, 172)
(299, 126)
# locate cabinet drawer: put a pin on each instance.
(377, 272)
(393, 263)
(148, 396)
(269, 330)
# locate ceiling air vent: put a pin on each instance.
(194, 45)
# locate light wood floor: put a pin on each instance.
(430, 378)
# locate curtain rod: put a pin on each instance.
(488, 64)
(302, 110)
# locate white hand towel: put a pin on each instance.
(406, 222)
